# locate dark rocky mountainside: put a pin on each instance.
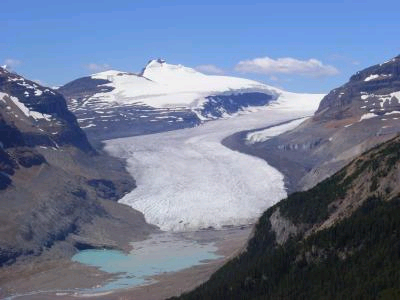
(102, 122)
(50, 124)
(53, 186)
(369, 90)
(350, 119)
(338, 240)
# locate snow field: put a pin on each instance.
(161, 85)
(266, 134)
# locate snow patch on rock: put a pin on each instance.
(266, 134)
(367, 116)
(377, 76)
(25, 110)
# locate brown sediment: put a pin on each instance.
(62, 278)
(173, 284)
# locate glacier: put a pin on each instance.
(187, 180)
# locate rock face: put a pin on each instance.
(53, 185)
(350, 119)
(44, 117)
(162, 97)
(372, 90)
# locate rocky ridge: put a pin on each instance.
(54, 187)
(350, 120)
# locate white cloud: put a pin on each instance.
(273, 78)
(98, 67)
(11, 63)
(209, 69)
(286, 65)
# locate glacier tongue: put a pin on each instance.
(187, 180)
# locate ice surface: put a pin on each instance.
(396, 94)
(266, 134)
(368, 116)
(293, 101)
(186, 179)
(392, 113)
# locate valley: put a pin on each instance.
(176, 174)
(219, 150)
(186, 201)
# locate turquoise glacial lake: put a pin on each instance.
(161, 253)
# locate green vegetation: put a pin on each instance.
(312, 206)
(358, 257)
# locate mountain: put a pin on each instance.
(162, 97)
(350, 119)
(56, 192)
(40, 111)
(338, 240)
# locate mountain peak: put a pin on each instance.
(4, 69)
(157, 69)
(153, 63)
(161, 61)
(106, 74)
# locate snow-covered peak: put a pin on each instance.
(179, 78)
(159, 69)
(4, 69)
(154, 63)
(107, 74)
(161, 85)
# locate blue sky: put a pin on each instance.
(58, 41)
